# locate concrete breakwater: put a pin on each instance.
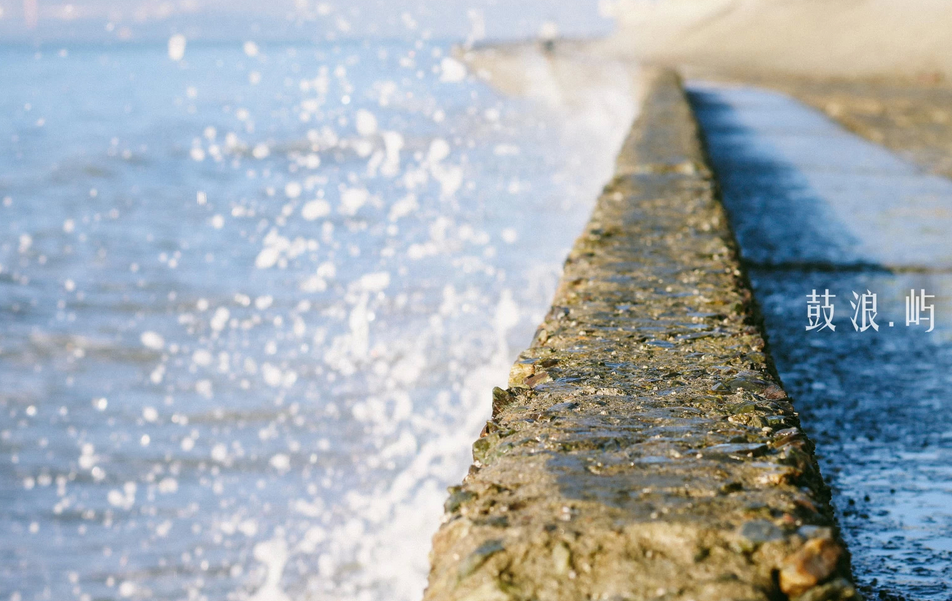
(644, 448)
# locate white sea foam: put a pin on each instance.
(176, 47)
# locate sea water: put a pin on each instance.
(252, 304)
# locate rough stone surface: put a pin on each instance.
(644, 448)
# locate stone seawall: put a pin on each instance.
(644, 448)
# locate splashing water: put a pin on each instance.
(253, 301)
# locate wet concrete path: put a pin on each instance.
(816, 208)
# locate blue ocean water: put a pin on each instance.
(252, 303)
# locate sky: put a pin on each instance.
(36, 21)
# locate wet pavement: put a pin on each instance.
(817, 208)
(912, 117)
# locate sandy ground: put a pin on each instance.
(850, 38)
(881, 68)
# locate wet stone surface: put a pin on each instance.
(643, 448)
(875, 402)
